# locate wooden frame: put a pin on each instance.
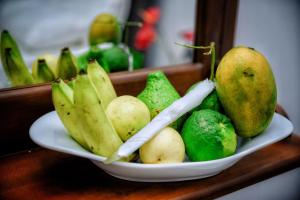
(20, 107)
(215, 21)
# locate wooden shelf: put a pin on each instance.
(45, 174)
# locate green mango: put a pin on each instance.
(105, 28)
(247, 90)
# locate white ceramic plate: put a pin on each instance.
(49, 132)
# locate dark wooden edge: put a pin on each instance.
(215, 22)
(279, 109)
(20, 107)
(255, 176)
(46, 170)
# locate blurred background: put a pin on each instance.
(271, 27)
(41, 27)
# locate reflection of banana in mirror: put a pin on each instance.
(50, 60)
(43, 72)
(66, 65)
(12, 61)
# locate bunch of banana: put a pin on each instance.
(82, 110)
(43, 68)
(12, 61)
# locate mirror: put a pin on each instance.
(43, 30)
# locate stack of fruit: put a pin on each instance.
(242, 104)
(105, 47)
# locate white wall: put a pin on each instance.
(176, 16)
(273, 28)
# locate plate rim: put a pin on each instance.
(94, 157)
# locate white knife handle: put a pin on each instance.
(164, 118)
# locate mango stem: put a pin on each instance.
(212, 52)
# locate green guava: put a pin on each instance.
(128, 115)
(158, 94)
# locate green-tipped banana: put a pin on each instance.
(15, 70)
(12, 61)
(62, 97)
(101, 82)
(66, 66)
(43, 73)
(100, 135)
(51, 61)
(7, 41)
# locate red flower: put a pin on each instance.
(151, 15)
(144, 37)
(188, 36)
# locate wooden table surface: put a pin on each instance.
(45, 174)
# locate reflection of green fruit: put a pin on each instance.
(138, 58)
(105, 28)
(158, 94)
(247, 90)
(210, 102)
(165, 147)
(82, 61)
(128, 115)
(94, 53)
(208, 135)
(116, 58)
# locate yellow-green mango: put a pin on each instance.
(247, 90)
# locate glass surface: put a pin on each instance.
(46, 27)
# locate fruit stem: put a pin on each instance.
(127, 25)
(212, 52)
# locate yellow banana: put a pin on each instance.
(62, 97)
(101, 82)
(99, 134)
(12, 61)
(66, 65)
